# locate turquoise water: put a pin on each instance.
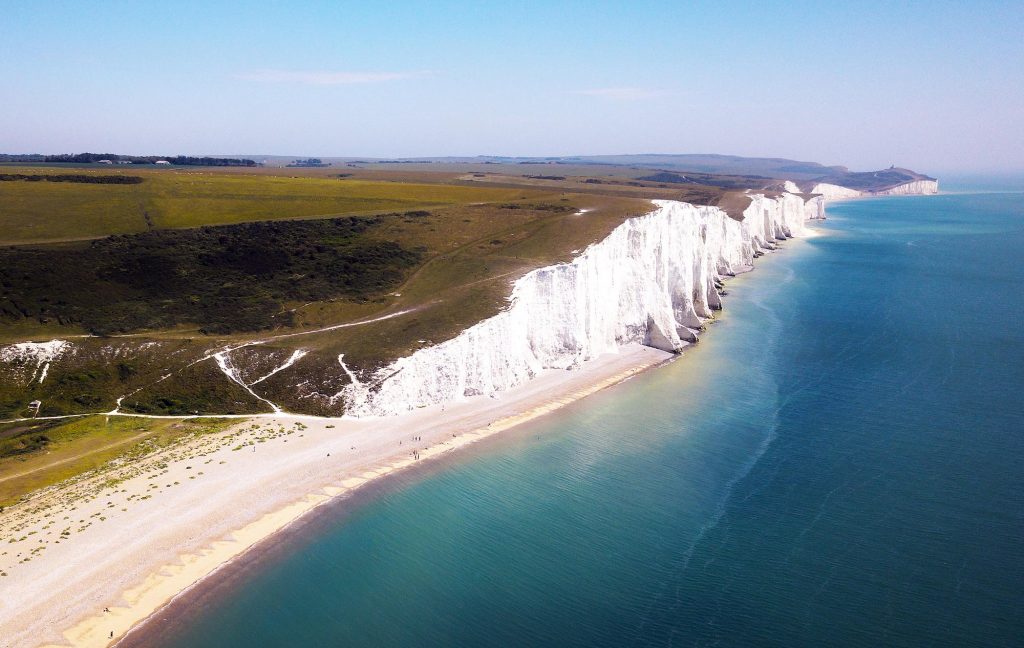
(838, 462)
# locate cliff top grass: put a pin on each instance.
(189, 261)
(181, 251)
(222, 279)
(39, 212)
(264, 260)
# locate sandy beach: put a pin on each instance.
(85, 563)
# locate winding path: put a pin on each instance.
(221, 356)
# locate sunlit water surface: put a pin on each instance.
(838, 462)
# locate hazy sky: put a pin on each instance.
(935, 86)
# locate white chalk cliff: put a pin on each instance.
(814, 208)
(834, 192)
(913, 188)
(655, 279)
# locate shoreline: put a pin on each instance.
(160, 577)
(228, 575)
(92, 589)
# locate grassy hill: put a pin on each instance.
(36, 212)
(869, 180)
(148, 280)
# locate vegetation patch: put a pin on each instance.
(181, 160)
(222, 279)
(23, 444)
(183, 197)
(549, 207)
(197, 389)
(79, 445)
(873, 180)
(665, 176)
(70, 177)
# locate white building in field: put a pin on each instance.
(162, 162)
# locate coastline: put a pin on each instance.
(93, 589)
(211, 529)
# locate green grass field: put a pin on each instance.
(35, 212)
(79, 445)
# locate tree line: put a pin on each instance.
(182, 160)
(70, 177)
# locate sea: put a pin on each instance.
(838, 462)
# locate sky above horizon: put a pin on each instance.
(931, 86)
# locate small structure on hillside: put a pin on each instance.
(34, 406)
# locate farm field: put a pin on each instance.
(38, 212)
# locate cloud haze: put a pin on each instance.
(324, 77)
(625, 93)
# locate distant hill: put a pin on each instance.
(721, 164)
(868, 180)
(806, 174)
(665, 168)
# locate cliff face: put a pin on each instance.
(652, 280)
(918, 187)
(814, 208)
(834, 192)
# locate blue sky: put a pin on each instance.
(936, 86)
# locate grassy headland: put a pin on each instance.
(186, 263)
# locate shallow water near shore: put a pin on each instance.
(836, 463)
